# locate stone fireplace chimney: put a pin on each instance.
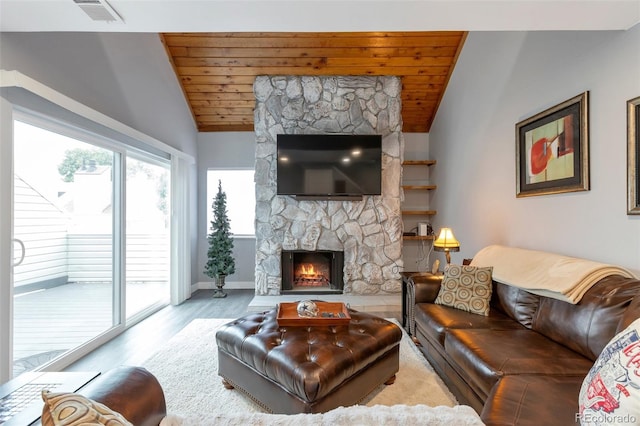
(368, 231)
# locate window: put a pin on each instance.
(239, 186)
(65, 210)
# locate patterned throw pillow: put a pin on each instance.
(610, 394)
(467, 288)
(68, 409)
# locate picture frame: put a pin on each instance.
(552, 149)
(633, 155)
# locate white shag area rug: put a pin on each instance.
(360, 415)
(186, 367)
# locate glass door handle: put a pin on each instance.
(15, 240)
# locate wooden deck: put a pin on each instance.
(50, 322)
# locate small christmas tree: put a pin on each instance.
(221, 262)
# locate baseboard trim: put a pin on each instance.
(229, 285)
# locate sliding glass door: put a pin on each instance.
(63, 228)
(91, 238)
(148, 234)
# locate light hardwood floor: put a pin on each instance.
(142, 340)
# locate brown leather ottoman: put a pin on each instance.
(303, 369)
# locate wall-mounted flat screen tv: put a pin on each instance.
(329, 165)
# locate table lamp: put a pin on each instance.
(447, 243)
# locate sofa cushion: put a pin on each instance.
(516, 400)
(69, 409)
(612, 387)
(434, 320)
(467, 288)
(631, 314)
(587, 326)
(517, 303)
(485, 356)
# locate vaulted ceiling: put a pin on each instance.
(254, 37)
(217, 70)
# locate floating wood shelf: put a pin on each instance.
(419, 215)
(419, 212)
(418, 237)
(421, 187)
(418, 162)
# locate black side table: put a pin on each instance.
(409, 298)
(406, 300)
(409, 301)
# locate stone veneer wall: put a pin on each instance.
(368, 231)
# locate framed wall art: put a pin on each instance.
(552, 149)
(633, 155)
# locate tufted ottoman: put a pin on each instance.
(304, 369)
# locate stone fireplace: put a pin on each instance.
(367, 231)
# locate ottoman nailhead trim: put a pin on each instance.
(263, 406)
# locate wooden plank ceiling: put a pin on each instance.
(217, 70)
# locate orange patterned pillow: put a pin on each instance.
(68, 409)
(467, 288)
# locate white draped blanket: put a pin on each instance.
(546, 274)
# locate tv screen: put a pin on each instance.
(329, 165)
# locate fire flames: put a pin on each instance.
(310, 275)
(308, 270)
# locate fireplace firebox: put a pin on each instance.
(318, 271)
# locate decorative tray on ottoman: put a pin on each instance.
(331, 313)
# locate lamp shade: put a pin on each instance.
(446, 241)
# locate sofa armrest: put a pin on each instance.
(131, 391)
(426, 287)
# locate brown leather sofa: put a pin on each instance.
(524, 363)
(131, 391)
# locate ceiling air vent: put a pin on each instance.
(99, 10)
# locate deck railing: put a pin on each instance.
(89, 258)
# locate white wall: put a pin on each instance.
(503, 78)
